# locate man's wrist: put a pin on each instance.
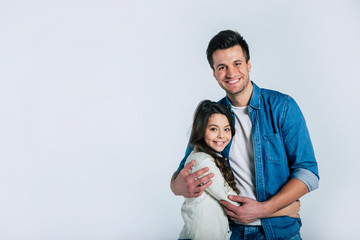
(267, 209)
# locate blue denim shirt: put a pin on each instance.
(282, 150)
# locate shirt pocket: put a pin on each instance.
(274, 148)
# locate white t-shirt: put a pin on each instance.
(241, 155)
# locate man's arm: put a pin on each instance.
(302, 163)
(219, 189)
(251, 210)
(187, 185)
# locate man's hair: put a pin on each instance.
(226, 39)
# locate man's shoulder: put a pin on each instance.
(274, 98)
(269, 93)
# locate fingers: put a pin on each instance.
(238, 198)
(200, 172)
(198, 190)
(297, 204)
(234, 216)
(228, 206)
(203, 180)
(228, 211)
(234, 198)
(197, 194)
(194, 187)
(203, 186)
(188, 166)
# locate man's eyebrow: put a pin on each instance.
(221, 64)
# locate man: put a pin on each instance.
(271, 154)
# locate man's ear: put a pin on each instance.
(249, 65)
(214, 74)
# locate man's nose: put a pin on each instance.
(231, 72)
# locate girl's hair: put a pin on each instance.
(202, 114)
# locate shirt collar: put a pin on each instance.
(254, 100)
(255, 97)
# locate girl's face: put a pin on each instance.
(218, 132)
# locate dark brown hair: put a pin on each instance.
(202, 114)
(226, 39)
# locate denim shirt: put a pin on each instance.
(282, 150)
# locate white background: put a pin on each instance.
(97, 97)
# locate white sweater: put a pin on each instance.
(204, 217)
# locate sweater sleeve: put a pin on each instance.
(219, 189)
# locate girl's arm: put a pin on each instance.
(219, 189)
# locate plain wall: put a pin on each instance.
(97, 98)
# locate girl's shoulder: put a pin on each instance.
(199, 157)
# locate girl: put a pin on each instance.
(204, 218)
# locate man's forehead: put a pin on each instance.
(229, 54)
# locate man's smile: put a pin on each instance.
(233, 81)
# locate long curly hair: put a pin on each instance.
(202, 114)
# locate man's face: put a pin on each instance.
(231, 70)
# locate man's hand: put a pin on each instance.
(249, 210)
(187, 185)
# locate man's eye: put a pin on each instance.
(221, 68)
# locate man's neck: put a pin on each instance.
(242, 99)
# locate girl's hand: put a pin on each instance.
(293, 209)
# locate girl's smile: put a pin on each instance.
(218, 132)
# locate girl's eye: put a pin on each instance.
(212, 129)
(227, 129)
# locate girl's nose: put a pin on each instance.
(220, 134)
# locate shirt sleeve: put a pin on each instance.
(219, 189)
(307, 177)
(298, 146)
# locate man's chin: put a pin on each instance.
(233, 93)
